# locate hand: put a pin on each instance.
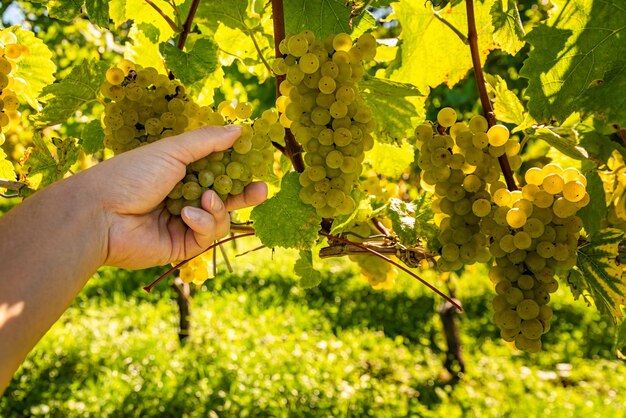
(133, 185)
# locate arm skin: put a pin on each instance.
(111, 214)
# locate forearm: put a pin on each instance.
(49, 246)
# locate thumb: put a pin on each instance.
(194, 145)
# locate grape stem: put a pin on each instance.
(292, 149)
(450, 25)
(182, 263)
(169, 21)
(472, 36)
(387, 259)
(258, 50)
(187, 25)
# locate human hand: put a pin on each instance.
(133, 185)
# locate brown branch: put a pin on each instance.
(472, 36)
(293, 150)
(183, 300)
(169, 21)
(387, 259)
(182, 263)
(11, 185)
(187, 25)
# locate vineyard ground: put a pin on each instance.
(262, 346)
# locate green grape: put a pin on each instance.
(446, 117)
(574, 191)
(206, 178)
(309, 63)
(334, 159)
(502, 197)
(327, 85)
(498, 135)
(516, 218)
(342, 42)
(191, 191)
(534, 176)
(243, 110)
(553, 183)
(297, 45)
(478, 124)
(115, 76)
(223, 184)
(481, 208)
(522, 240)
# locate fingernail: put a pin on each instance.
(233, 128)
(193, 214)
(216, 202)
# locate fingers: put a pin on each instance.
(207, 224)
(254, 194)
(194, 145)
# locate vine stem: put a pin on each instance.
(182, 263)
(472, 36)
(187, 25)
(258, 50)
(169, 21)
(11, 185)
(401, 267)
(292, 149)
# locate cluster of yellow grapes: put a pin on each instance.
(10, 54)
(374, 270)
(145, 106)
(321, 105)
(379, 187)
(530, 232)
(199, 269)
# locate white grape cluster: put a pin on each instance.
(10, 54)
(459, 165)
(378, 273)
(321, 105)
(145, 106)
(535, 232)
(229, 172)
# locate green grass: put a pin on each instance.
(261, 346)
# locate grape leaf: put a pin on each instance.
(284, 220)
(389, 159)
(602, 275)
(64, 98)
(563, 139)
(620, 340)
(508, 27)
(142, 50)
(7, 172)
(391, 110)
(232, 13)
(66, 10)
(309, 277)
(140, 11)
(323, 17)
(448, 59)
(98, 12)
(596, 211)
(150, 31)
(402, 218)
(193, 65)
(41, 168)
(36, 68)
(117, 12)
(576, 60)
(92, 137)
(506, 104)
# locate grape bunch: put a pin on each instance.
(144, 106)
(228, 172)
(459, 164)
(377, 272)
(535, 232)
(379, 187)
(321, 105)
(10, 54)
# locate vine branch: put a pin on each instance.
(11, 185)
(401, 267)
(472, 36)
(187, 25)
(169, 21)
(292, 149)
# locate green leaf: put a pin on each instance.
(41, 168)
(98, 12)
(576, 62)
(508, 27)
(391, 110)
(506, 104)
(66, 10)
(596, 211)
(323, 17)
(92, 137)
(141, 12)
(193, 65)
(150, 31)
(620, 340)
(389, 159)
(64, 98)
(431, 53)
(232, 13)
(284, 221)
(7, 172)
(402, 218)
(602, 275)
(309, 277)
(37, 68)
(598, 145)
(563, 139)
